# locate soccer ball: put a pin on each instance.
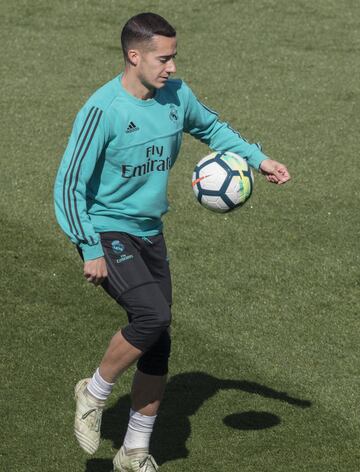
(222, 181)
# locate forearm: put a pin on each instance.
(224, 138)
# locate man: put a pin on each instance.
(110, 194)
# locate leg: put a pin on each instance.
(90, 396)
(119, 356)
(147, 393)
(150, 378)
(149, 316)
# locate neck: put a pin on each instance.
(134, 86)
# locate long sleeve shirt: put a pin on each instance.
(115, 169)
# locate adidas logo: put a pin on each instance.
(131, 127)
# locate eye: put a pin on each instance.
(166, 59)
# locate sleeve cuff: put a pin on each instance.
(256, 158)
(91, 252)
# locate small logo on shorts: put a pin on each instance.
(117, 246)
(124, 258)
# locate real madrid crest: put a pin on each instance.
(173, 113)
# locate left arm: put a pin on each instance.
(204, 124)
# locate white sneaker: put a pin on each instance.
(87, 418)
(138, 462)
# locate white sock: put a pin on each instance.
(98, 387)
(139, 431)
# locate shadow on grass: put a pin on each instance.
(252, 420)
(99, 465)
(185, 394)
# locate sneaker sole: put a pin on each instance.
(85, 444)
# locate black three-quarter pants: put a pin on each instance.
(139, 280)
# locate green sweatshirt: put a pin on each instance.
(115, 169)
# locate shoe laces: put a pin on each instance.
(97, 418)
(149, 464)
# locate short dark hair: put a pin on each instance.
(142, 27)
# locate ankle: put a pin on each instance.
(93, 400)
(99, 388)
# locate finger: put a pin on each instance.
(282, 173)
(272, 178)
(284, 179)
(99, 281)
(280, 178)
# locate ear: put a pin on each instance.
(133, 56)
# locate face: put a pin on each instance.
(155, 64)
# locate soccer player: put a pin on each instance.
(110, 195)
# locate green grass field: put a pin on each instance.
(265, 364)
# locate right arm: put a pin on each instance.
(88, 138)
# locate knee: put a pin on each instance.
(157, 316)
(158, 322)
(155, 324)
(144, 330)
(155, 361)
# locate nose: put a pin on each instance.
(171, 67)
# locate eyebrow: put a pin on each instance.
(167, 57)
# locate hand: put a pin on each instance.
(274, 171)
(95, 270)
